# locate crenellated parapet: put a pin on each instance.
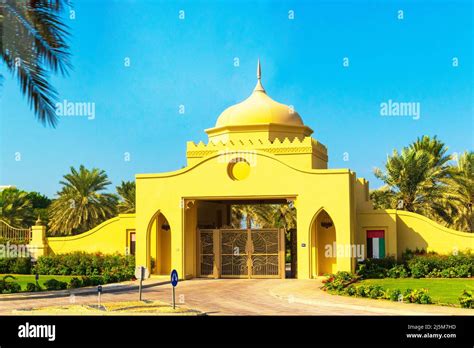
(308, 151)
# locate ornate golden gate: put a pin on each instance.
(237, 253)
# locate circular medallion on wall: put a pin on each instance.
(238, 169)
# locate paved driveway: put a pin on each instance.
(253, 297)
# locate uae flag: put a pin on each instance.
(375, 244)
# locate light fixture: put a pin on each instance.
(326, 222)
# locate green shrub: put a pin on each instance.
(92, 280)
(53, 284)
(111, 268)
(74, 283)
(398, 271)
(375, 268)
(444, 266)
(11, 287)
(417, 296)
(419, 264)
(8, 287)
(338, 281)
(33, 287)
(466, 300)
(376, 292)
(394, 295)
(350, 290)
(16, 265)
(363, 290)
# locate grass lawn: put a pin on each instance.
(24, 279)
(444, 291)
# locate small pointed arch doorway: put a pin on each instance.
(159, 245)
(323, 244)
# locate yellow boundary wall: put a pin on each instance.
(409, 230)
(109, 237)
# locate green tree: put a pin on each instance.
(33, 44)
(282, 216)
(264, 216)
(417, 177)
(127, 191)
(15, 207)
(250, 215)
(40, 204)
(81, 203)
(460, 197)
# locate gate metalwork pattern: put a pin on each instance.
(234, 253)
(265, 252)
(206, 253)
(241, 253)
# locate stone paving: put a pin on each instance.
(250, 297)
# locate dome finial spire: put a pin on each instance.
(259, 70)
(259, 87)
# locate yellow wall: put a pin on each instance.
(416, 231)
(313, 189)
(109, 237)
(406, 230)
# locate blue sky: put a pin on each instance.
(190, 62)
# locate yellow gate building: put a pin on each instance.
(259, 151)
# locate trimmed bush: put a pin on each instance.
(8, 287)
(16, 265)
(32, 287)
(398, 271)
(417, 296)
(53, 284)
(362, 291)
(466, 300)
(443, 266)
(394, 295)
(375, 268)
(112, 268)
(350, 290)
(92, 280)
(419, 265)
(376, 292)
(74, 283)
(338, 281)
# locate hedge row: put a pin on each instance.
(419, 266)
(110, 267)
(16, 265)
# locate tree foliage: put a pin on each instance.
(81, 203)
(33, 44)
(420, 179)
(127, 191)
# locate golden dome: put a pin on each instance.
(259, 108)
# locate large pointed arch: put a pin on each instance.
(323, 250)
(158, 244)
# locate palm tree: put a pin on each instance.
(417, 177)
(254, 215)
(127, 191)
(15, 207)
(264, 215)
(81, 204)
(282, 216)
(460, 197)
(32, 44)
